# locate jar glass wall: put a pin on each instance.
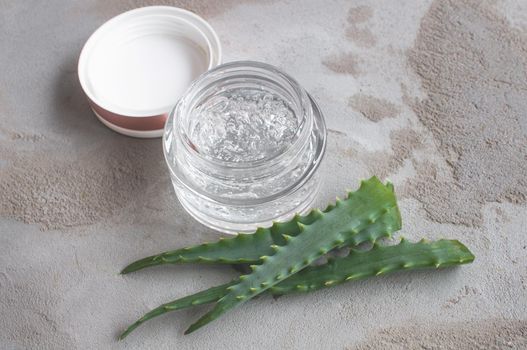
(243, 146)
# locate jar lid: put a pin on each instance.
(134, 68)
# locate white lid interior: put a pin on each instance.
(140, 62)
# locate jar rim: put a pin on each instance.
(218, 73)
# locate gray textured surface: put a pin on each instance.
(78, 202)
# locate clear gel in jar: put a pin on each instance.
(243, 146)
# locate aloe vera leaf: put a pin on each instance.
(383, 228)
(248, 248)
(355, 266)
(330, 230)
(379, 260)
(204, 297)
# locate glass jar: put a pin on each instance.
(243, 146)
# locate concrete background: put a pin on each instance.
(431, 94)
